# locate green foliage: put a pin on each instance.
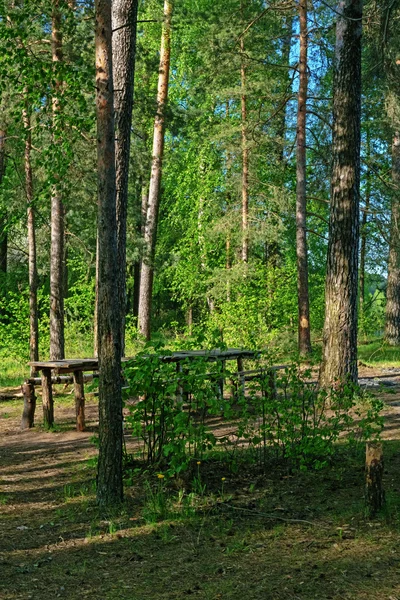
(177, 414)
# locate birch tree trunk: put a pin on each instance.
(392, 324)
(339, 359)
(124, 18)
(150, 231)
(57, 344)
(109, 475)
(3, 215)
(304, 339)
(32, 265)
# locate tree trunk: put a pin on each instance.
(109, 475)
(32, 268)
(363, 228)
(281, 127)
(392, 324)
(339, 360)
(374, 467)
(124, 17)
(57, 345)
(245, 159)
(3, 214)
(150, 232)
(304, 339)
(137, 266)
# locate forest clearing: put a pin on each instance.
(277, 533)
(200, 284)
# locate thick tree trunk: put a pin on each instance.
(124, 17)
(150, 232)
(339, 360)
(57, 344)
(392, 324)
(3, 215)
(245, 159)
(304, 339)
(109, 476)
(32, 268)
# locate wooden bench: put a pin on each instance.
(58, 371)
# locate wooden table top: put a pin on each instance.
(89, 364)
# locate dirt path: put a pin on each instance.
(53, 544)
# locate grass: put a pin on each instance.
(379, 354)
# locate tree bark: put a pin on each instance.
(304, 338)
(150, 232)
(245, 158)
(374, 467)
(32, 263)
(124, 18)
(3, 214)
(363, 228)
(392, 323)
(57, 343)
(281, 127)
(339, 360)
(109, 475)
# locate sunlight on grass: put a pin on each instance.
(379, 354)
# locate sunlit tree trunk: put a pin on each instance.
(363, 227)
(304, 339)
(32, 268)
(3, 214)
(124, 17)
(109, 476)
(150, 231)
(245, 158)
(57, 344)
(392, 324)
(339, 359)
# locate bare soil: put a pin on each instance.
(274, 536)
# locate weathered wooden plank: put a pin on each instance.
(79, 400)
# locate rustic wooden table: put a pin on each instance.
(52, 372)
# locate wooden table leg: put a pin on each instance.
(28, 414)
(241, 379)
(47, 399)
(79, 400)
(179, 387)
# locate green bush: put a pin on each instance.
(177, 413)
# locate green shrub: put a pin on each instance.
(176, 412)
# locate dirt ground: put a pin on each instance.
(272, 536)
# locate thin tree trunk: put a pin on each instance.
(124, 18)
(392, 324)
(57, 343)
(363, 235)
(3, 214)
(245, 159)
(339, 360)
(109, 475)
(150, 233)
(304, 339)
(32, 268)
(286, 47)
(137, 266)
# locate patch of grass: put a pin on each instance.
(379, 354)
